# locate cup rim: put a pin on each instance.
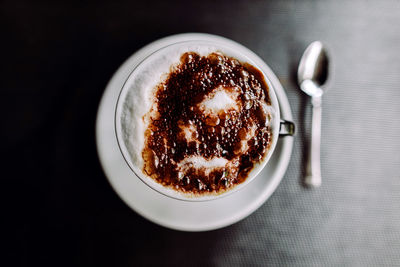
(243, 52)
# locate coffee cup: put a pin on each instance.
(140, 128)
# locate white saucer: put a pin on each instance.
(177, 214)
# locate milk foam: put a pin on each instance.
(189, 132)
(140, 96)
(220, 99)
(198, 162)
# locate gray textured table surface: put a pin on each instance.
(69, 214)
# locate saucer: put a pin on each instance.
(173, 213)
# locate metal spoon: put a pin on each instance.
(311, 75)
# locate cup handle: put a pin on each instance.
(287, 128)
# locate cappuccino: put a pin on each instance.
(196, 119)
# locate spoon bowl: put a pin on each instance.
(313, 69)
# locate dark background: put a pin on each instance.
(58, 206)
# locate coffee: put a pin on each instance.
(201, 126)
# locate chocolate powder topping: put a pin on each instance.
(240, 135)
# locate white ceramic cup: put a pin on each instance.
(162, 59)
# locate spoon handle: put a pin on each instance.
(313, 175)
